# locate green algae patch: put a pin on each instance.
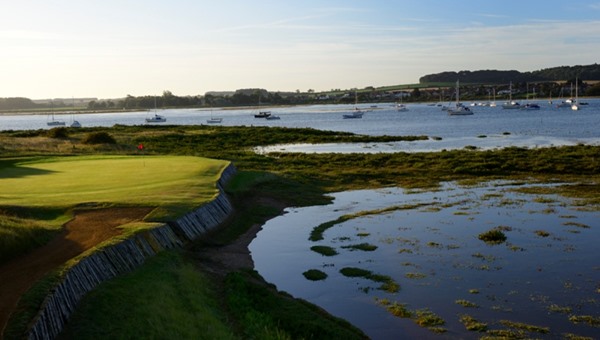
(493, 236)
(388, 284)
(324, 250)
(361, 246)
(466, 303)
(525, 327)
(314, 275)
(317, 233)
(472, 324)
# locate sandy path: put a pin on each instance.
(88, 228)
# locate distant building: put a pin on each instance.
(402, 94)
(77, 101)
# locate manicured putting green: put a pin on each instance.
(138, 180)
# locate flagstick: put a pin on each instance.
(141, 148)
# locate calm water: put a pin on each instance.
(435, 255)
(548, 126)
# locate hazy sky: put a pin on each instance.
(108, 49)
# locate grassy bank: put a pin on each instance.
(196, 303)
(188, 307)
(264, 185)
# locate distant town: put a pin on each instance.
(558, 82)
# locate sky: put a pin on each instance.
(115, 48)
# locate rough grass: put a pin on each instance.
(22, 229)
(263, 313)
(171, 300)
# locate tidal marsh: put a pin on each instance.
(452, 260)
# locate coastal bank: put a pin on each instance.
(123, 257)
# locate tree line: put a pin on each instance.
(243, 97)
(21, 103)
(560, 73)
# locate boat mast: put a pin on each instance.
(457, 93)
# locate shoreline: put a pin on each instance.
(86, 112)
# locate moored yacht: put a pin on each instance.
(511, 104)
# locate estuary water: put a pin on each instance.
(489, 127)
(545, 274)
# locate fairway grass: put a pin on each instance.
(110, 180)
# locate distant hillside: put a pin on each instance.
(586, 72)
(22, 103)
(17, 103)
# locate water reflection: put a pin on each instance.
(428, 242)
(432, 145)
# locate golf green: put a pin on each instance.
(137, 180)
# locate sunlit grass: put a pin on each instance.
(68, 181)
(39, 193)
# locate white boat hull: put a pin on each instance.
(56, 123)
(156, 119)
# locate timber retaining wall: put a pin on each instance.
(124, 257)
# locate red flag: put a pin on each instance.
(141, 147)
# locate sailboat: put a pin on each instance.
(156, 118)
(74, 123)
(54, 122)
(358, 113)
(401, 107)
(563, 103)
(575, 104)
(530, 106)
(493, 103)
(511, 105)
(214, 120)
(459, 109)
(261, 114)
